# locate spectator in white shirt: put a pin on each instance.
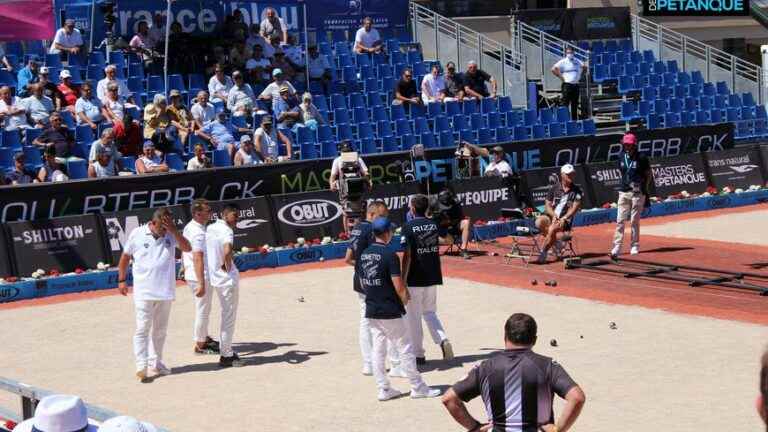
(499, 165)
(114, 107)
(38, 105)
(110, 73)
(219, 84)
(202, 112)
(272, 91)
(569, 70)
(104, 164)
(273, 26)
(107, 141)
(433, 86)
(67, 40)
(241, 98)
(88, 108)
(319, 67)
(258, 66)
(367, 38)
(246, 154)
(156, 35)
(13, 115)
(199, 160)
(152, 247)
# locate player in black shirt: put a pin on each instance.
(517, 386)
(421, 267)
(636, 176)
(360, 238)
(405, 90)
(562, 203)
(385, 300)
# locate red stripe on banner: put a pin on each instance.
(26, 20)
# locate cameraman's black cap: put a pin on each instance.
(498, 149)
(346, 146)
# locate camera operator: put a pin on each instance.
(341, 172)
(449, 216)
(499, 165)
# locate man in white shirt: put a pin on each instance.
(202, 112)
(196, 276)
(433, 86)
(240, 100)
(367, 39)
(273, 26)
(569, 70)
(13, 115)
(225, 279)
(219, 84)
(38, 105)
(272, 91)
(153, 250)
(67, 39)
(499, 165)
(110, 72)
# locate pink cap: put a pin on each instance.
(629, 139)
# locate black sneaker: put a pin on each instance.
(421, 361)
(210, 347)
(465, 254)
(233, 361)
(210, 341)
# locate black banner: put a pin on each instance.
(538, 182)
(48, 200)
(397, 198)
(483, 198)
(255, 226)
(764, 159)
(580, 23)
(605, 179)
(6, 269)
(681, 173)
(736, 168)
(309, 215)
(64, 244)
(476, 8)
(118, 226)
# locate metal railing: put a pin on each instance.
(692, 55)
(31, 395)
(446, 40)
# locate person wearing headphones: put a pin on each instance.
(636, 178)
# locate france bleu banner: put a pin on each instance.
(26, 20)
(336, 15)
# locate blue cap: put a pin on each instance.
(381, 225)
(149, 144)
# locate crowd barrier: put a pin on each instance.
(79, 244)
(45, 201)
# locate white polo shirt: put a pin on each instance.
(502, 168)
(203, 114)
(570, 70)
(433, 85)
(66, 40)
(367, 38)
(336, 166)
(195, 233)
(154, 265)
(218, 235)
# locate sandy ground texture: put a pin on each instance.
(740, 227)
(656, 371)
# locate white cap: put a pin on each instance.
(44, 70)
(65, 74)
(58, 413)
(567, 169)
(126, 424)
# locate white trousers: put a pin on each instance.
(423, 304)
(229, 297)
(151, 319)
(629, 206)
(366, 340)
(202, 311)
(394, 332)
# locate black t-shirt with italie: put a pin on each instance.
(377, 266)
(360, 238)
(420, 236)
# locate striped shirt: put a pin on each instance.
(517, 387)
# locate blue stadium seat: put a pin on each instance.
(341, 116)
(417, 111)
(396, 112)
(469, 106)
(705, 103)
(53, 60)
(494, 120)
(442, 124)
(468, 136)
(356, 100)
(6, 157)
(734, 101)
(627, 83)
(716, 115)
(516, 117)
(600, 73)
(459, 123)
(628, 111)
(360, 115)
(407, 142)
(502, 135)
(402, 127)
(446, 139)
(320, 102)
(643, 108)
(650, 93)
(588, 127)
(488, 105)
(174, 162)
(344, 132)
(688, 118)
(747, 113)
(94, 73)
(305, 135)
(672, 66)
(221, 158)
(476, 121)
(556, 130)
(374, 99)
(573, 128)
(380, 113)
(328, 149)
(434, 109)
(485, 136)
(420, 126)
(136, 69)
(338, 101)
(521, 133)
(563, 115)
(648, 56)
(11, 139)
(546, 116)
(539, 131)
(308, 150)
(368, 146)
(529, 117)
(77, 169)
(365, 131)
(653, 121)
(7, 78)
(747, 100)
(671, 119)
(84, 134)
(428, 140)
(702, 117)
(697, 77)
(631, 69)
(722, 88)
(384, 129)
(505, 104)
(675, 105)
(389, 144)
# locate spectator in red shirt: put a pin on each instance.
(129, 137)
(68, 92)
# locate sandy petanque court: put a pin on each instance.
(656, 371)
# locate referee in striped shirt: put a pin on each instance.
(517, 387)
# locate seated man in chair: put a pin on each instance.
(562, 202)
(449, 216)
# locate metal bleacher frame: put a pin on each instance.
(31, 395)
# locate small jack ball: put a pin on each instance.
(553, 342)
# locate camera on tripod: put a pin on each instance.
(352, 183)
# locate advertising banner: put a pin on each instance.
(736, 168)
(484, 197)
(5, 260)
(605, 179)
(538, 182)
(48, 200)
(64, 244)
(255, 226)
(309, 215)
(334, 15)
(580, 23)
(118, 226)
(397, 198)
(681, 173)
(26, 20)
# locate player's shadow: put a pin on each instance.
(249, 353)
(668, 249)
(758, 265)
(457, 362)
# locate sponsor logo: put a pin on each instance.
(679, 205)
(309, 212)
(9, 293)
(249, 223)
(51, 235)
(719, 202)
(696, 7)
(594, 218)
(685, 174)
(306, 255)
(743, 169)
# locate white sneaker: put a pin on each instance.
(367, 369)
(387, 394)
(397, 372)
(635, 250)
(615, 252)
(160, 369)
(425, 392)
